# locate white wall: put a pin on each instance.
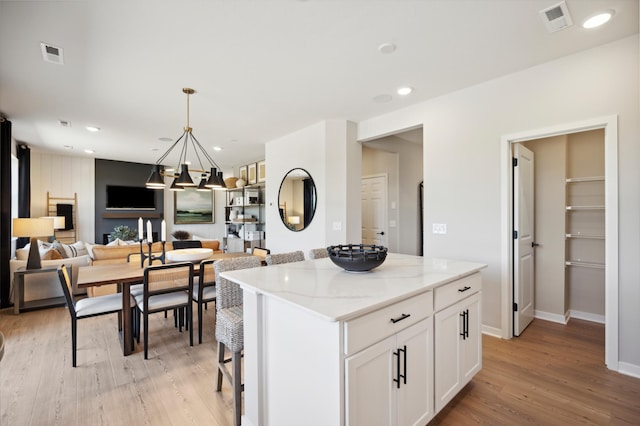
(462, 132)
(329, 152)
(63, 176)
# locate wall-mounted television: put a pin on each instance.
(130, 198)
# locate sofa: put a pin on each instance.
(47, 284)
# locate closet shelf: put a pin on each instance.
(585, 179)
(585, 207)
(585, 264)
(586, 236)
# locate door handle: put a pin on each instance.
(380, 233)
(397, 354)
(534, 244)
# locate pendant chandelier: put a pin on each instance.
(210, 178)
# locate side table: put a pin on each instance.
(18, 291)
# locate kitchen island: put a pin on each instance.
(324, 346)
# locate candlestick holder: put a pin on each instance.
(151, 256)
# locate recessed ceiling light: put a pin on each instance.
(387, 48)
(217, 148)
(165, 139)
(381, 99)
(93, 128)
(598, 19)
(89, 151)
(64, 123)
(404, 91)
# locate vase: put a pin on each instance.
(240, 183)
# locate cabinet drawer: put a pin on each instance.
(450, 293)
(370, 328)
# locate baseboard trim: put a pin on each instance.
(492, 331)
(629, 369)
(548, 316)
(587, 316)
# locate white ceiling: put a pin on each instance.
(261, 69)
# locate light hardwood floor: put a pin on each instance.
(552, 375)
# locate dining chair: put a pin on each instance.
(186, 244)
(280, 258)
(166, 287)
(229, 327)
(318, 253)
(204, 290)
(85, 308)
(261, 253)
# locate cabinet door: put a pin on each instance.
(448, 325)
(471, 354)
(415, 397)
(370, 390)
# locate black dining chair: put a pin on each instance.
(204, 290)
(166, 287)
(85, 308)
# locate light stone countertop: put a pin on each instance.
(328, 291)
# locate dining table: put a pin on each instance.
(125, 275)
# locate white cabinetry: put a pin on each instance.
(458, 351)
(391, 382)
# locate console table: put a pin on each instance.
(18, 291)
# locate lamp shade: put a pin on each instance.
(294, 220)
(185, 178)
(58, 221)
(155, 180)
(32, 227)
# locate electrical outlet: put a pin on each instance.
(337, 226)
(439, 228)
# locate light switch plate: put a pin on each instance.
(337, 226)
(439, 228)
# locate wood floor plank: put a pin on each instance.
(552, 375)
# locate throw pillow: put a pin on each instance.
(51, 254)
(60, 249)
(74, 250)
(115, 242)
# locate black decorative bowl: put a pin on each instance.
(357, 257)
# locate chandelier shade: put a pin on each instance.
(189, 146)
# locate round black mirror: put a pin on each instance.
(297, 199)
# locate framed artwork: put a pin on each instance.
(251, 174)
(262, 171)
(243, 173)
(191, 206)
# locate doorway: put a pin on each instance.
(399, 156)
(609, 124)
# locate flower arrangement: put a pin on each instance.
(124, 233)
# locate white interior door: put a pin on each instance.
(523, 243)
(374, 210)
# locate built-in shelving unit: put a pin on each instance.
(244, 218)
(68, 207)
(585, 222)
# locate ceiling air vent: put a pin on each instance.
(556, 17)
(64, 123)
(52, 54)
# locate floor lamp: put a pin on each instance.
(33, 228)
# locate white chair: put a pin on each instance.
(229, 327)
(85, 308)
